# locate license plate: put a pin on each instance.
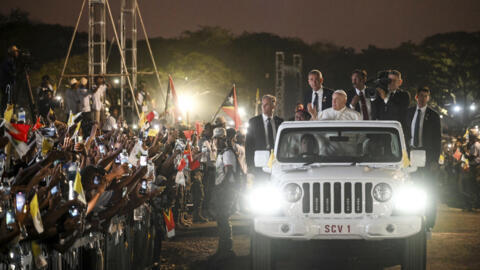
(336, 229)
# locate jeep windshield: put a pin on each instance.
(339, 145)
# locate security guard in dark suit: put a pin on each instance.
(261, 134)
(424, 133)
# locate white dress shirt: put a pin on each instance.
(265, 123)
(420, 133)
(367, 101)
(343, 114)
(320, 98)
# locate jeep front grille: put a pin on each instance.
(337, 198)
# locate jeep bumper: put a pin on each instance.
(321, 228)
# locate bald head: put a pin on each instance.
(339, 100)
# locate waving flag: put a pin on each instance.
(35, 213)
(20, 131)
(37, 125)
(8, 113)
(169, 223)
(230, 107)
(174, 106)
(77, 187)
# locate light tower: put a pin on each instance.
(128, 42)
(288, 84)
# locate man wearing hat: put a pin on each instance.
(8, 73)
(339, 109)
(224, 195)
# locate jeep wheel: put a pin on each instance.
(261, 252)
(415, 251)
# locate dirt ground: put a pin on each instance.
(455, 244)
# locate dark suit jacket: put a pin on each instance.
(431, 133)
(326, 99)
(395, 109)
(256, 139)
(352, 93)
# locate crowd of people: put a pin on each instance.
(80, 165)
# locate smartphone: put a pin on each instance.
(20, 201)
(101, 147)
(118, 159)
(143, 188)
(123, 158)
(124, 191)
(79, 139)
(73, 211)
(54, 190)
(96, 181)
(143, 160)
(10, 219)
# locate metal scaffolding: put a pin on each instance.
(128, 43)
(288, 83)
(97, 43)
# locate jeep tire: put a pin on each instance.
(261, 252)
(415, 251)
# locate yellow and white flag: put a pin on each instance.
(405, 159)
(70, 119)
(152, 132)
(8, 113)
(271, 160)
(47, 145)
(77, 187)
(141, 120)
(35, 213)
(75, 134)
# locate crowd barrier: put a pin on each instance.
(126, 245)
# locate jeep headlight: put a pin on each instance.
(382, 192)
(292, 192)
(410, 199)
(265, 200)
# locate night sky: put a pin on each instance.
(352, 23)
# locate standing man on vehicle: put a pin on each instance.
(320, 98)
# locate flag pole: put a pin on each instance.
(221, 105)
(168, 93)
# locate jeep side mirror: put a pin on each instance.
(417, 158)
(261, 158)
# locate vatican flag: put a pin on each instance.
(271, 160)
(77, 187)
(35, 213)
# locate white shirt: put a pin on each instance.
(422, 117)
(84, 96)
(110, 123)
(98, 97)
(320, 98)
(226, 159)
(367, 101)
(343, 114)
(265, 125)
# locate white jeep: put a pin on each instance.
(337, 181)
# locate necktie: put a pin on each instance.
(315, 101)
(363, 105)
(416, 133)
(270, 134)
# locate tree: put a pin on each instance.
(454, 67)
